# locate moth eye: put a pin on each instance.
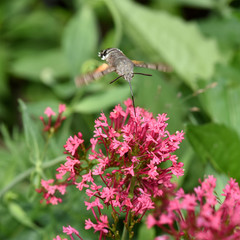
(103, 54)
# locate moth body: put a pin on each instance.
(117, 59)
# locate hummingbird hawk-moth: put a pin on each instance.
(117, 61)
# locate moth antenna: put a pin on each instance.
(114, 80)
(145, 74)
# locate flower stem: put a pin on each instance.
(125, 229)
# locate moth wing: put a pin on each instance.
(158, 66)
(101, 71)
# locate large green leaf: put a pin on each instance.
(46, 66)
(179, 43)
(80, 39)
(217, 144)
(225, 30)
(37, 25)
(160, 96)
(223, 102)
(106, 99)
(197, 3)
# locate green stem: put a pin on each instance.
(126, 225)
(125, 229)
(28, 172)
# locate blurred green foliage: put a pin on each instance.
(45, 44)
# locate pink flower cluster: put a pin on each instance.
(134, 150)
(49, 190)
(49, 112)
(128, 155)
(200, 215)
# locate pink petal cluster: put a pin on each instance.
(49, 190)
(134, 148)
(199, 215)
(129, 153)
(126, 169)
(48, 126)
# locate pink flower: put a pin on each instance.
(101, 225)
(151, 221)
(49, 190)
(49, 112)
(129, 170)
(122, 169)
(89, 224)
(48, 126)
(96, 203)
(73, 143)
(70, 230)
(203, 219)
(61, 108)
(127, 153)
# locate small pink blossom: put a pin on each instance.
(48, 125)
(129, 170)
(61, 108)
(49, 112)
(100, 226)
(73, 143)
(70, 230)
(95, 203)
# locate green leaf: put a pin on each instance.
(222, 102)
(20, 215)
(179, 43)
(30, 132)
(146, 233)
(197, 3)
(159, 96)
(8, 141)
(225, 30)
(11, 9)
(33, 27)
(217, 144)
(80, 39)
(104, 100)
(46, 66)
